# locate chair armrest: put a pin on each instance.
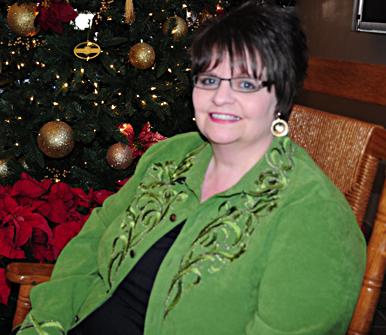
(29, 273)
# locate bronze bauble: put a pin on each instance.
(142, 56)
(21, 19)
(55, 139)
(119, 156)
(176, 27)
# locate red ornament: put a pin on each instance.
(145, 140)
(219, 9)
(127, 130)
(52, 15)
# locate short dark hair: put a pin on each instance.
(257, 28)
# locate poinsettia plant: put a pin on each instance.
(38, 218)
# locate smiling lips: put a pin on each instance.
(217, 117)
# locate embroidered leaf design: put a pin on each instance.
(155, 196)
(40, 326)
(225, 238)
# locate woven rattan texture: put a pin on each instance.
(336, 143)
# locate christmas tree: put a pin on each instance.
(80, 79)
(86, 86)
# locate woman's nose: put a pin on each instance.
(224, 93)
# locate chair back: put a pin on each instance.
(349, 151)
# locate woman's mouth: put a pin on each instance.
(224, 117)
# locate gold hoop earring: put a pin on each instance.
(279, 127)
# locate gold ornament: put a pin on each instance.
(119, 156)
(21, 19)
(87, 50)
(55, 139)
(129, 12)
(142, 56)
(176, 27)
(4, 169)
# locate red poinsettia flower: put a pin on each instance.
(54, 14)
(57, 203)
(63, 233)
(5, 288)
(16, 227)
(80, 198)
(98, 197)
(145, 140)
(26, 186)
(40, 248)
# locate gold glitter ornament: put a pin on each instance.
(55, 139)
(176, 27)
(21, 18)
(142, 56)
(119, 156)
(4, 169)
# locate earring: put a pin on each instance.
(279, 127)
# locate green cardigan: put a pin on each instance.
(278, 253)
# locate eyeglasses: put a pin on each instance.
(242, 84)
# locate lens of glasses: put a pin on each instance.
(244, 84)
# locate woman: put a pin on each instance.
(234, 231)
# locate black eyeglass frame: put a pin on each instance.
(262, 83)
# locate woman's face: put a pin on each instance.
(227, 117)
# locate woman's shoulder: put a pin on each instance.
(310, 183)
(172, 148)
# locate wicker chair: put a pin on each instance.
(348, 151)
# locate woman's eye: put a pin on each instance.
(247, 84)
(208, 81)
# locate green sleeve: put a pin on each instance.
(76, 268)
(313, 274)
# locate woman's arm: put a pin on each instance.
(314, 272)
(56, 302)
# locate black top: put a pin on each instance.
(124, 313)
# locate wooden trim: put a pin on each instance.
(351, 80)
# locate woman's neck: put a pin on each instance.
(228, 165)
